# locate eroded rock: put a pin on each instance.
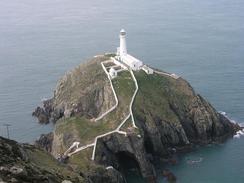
(170, 115)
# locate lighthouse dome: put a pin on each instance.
(122, 32)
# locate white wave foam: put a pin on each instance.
(237, 136)
(191, 162)
(231, 120)
(223, 113)
(44, 99)
(240, 132)
(241, 124)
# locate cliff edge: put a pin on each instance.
(168, 113)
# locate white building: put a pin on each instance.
(124, 57)
(147, 69)
(132, 62)
(113, 73)
(122, 44)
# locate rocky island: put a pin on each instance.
(111, 110)
(169, 117)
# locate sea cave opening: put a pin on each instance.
(148, 146)
(129, 167)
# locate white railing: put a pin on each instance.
(115, 95)
(81, 148)
(100, 136)
(117, 130)
(133, 98)
(167, 74)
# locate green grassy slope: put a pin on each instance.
(156, 94)
(86, 129)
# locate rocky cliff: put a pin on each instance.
(24, 163)
(79, 93)
(169, 114)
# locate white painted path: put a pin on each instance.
(75, 144)
(133, 98)
(80, 149)
(115, 95)
(100, 136)
(117, 130)
(167, 74)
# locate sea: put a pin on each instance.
(200, 40)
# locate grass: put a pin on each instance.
(127, 125)
(155, 96)
(84, 128)
(82, 160)
(87, 130)
(70, 85)
(129, 128)
(49, 163)
(110, 54)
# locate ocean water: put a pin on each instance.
(203, 41)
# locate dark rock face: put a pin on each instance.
(23, 163)
(111, 147)
(41, 114)
(105, 176)
(175, 121)
(11, 151)
(15, 165)
(45, 142)
(169, 176)
(204, 123)
(83, 92)
(170, 115)
(48, 112)
(174, 116)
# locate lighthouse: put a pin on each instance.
(123, 57)
(122, 48)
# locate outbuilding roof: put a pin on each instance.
(131, 60)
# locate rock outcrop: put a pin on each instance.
(82, 92)
(111, 148)
(26, 163)
(45, 142)
(170, 115)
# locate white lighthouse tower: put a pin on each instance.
(122, 48)
(127, 60)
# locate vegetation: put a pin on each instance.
(82, 160)
(110, 54)
(157, 94)
(69, 87)
(128, 125)
(86, 129)
(49, 164)
(155, 97)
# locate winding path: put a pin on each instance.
(133, 98)
(115, 95)
(167, 74)
(117, 130)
